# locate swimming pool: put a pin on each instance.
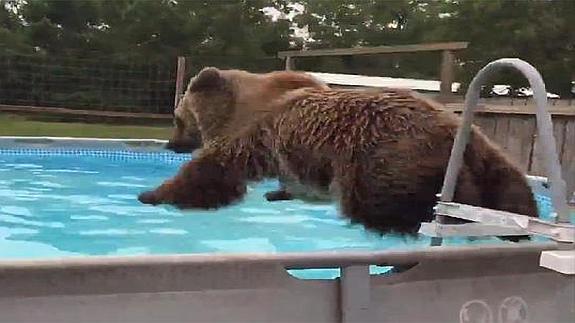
(78, 198)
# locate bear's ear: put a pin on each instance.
(207, 78)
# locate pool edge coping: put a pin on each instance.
(84, 139)
(140, 145)
(105, 275)
(295, 260)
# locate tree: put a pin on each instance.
(237, 34)
(539, 32)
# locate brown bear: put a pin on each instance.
(243, 97)
(381, 154)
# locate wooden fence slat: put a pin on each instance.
(538, 162)
(487, 125)
(35, 110)
(374, 50)
(483, 109)
(568, 156)
(501, 130)
(518, 141)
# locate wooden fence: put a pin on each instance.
(446, 72)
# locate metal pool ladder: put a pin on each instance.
(489, 222)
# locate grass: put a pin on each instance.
(11, 125)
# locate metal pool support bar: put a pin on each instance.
(545, 133)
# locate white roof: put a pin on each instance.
(377, 81)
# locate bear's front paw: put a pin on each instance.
(279, 195)
(149, 197)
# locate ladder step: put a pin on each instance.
(438, 230)
(500, 222)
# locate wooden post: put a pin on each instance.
(446, 75)
(290, 64)
(180, 73)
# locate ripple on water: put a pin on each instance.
(122, 196)
(120, 184)
(48, 184)
(169, 231)
(133, 178)
(39, 189)
(154, 221)
(323, 207)
(259, 211)
(84, 199)
(335, 221)
(22, 166)
(16, 198)
(72, 171)
(288, 219)
(129, 210)
(7, 218)
(89, 217)
(19, 193)
(7, 232)
(46, 175)
(111, 232)
(15, 210)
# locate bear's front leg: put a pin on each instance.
(161, 195)
(200, 184)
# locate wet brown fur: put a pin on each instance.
(382, 154)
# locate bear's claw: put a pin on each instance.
(149, 197)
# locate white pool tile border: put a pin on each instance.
(115, 148)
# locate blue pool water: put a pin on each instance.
(77, 204)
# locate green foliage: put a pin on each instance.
(237, 34)
(538, 31)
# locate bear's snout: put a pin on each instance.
(181, 147)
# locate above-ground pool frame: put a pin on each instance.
(508, 282)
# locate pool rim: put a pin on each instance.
(288, 260)
(57, 138)
(149, 145)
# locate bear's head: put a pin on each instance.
(186, 136)
(207, 102)
(218, 101)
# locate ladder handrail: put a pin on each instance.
(544, 129)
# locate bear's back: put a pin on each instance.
(346, 118)
(257, 94)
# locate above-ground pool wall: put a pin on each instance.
(516, 132)
(450, 284)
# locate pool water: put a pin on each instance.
(67, 204)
